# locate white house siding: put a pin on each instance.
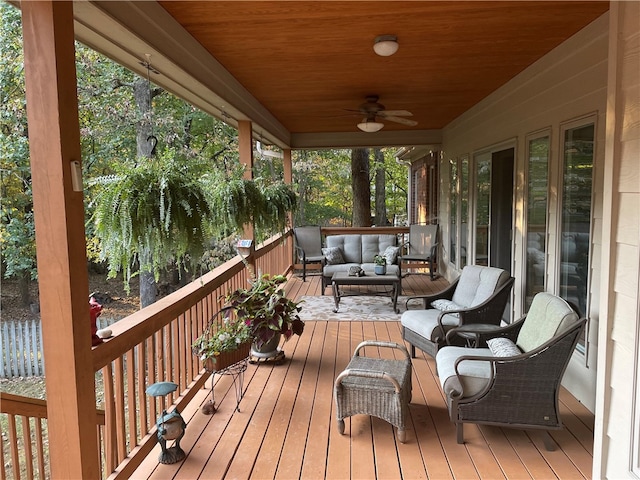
(570, 82)
(617, 435)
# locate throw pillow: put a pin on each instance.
(333, 255)
(391, 254)
(445, 305)
(503, 347)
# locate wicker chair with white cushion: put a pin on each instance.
(479, 295)
(514, 382)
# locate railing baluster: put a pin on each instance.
(111, 448)
(40, 448)
(13, 442)
(28, 447)
(120, 416)
(141, 356)
(131, 400)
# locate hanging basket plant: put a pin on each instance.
(151, 214)
(235, 203)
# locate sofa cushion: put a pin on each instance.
(373, 245)
(503, 347)
(333, 255)
(350, 245)
(391, 254)
(474, 374)
(547, 316)
(477, 284)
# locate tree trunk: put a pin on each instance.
(145, 149)
(144, 128)
(24, 282)
(381, 194)
(361, 187)
(148, 287)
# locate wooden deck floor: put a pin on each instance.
(286, 425)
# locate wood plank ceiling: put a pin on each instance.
(308, 62)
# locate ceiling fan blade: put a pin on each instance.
(404, 121)
(395, 113)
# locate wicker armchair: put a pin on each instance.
(478, 296)
(517, 384)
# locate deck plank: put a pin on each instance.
(286, 427)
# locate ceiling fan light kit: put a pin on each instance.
(370, 126)
(385, 45)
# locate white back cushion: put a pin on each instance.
(477, 284)
(547, 316)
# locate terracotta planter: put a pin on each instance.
(228, 358)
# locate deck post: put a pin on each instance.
(54, 143)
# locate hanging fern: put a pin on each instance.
(151, 215)
(163, 211)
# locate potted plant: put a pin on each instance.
(267, 312)
(222, 345)
(380, 267)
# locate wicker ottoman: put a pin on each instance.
(375, 386)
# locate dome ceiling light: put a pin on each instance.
(385, 45)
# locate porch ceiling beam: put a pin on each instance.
(54, 143)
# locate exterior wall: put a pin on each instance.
(617, 436)
(570, 82)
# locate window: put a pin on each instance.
(575, 228)
(483, 204)
(537, 205)
(453, 210)
(464, 209)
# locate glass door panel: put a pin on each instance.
(537, 201)
(483, 208)
(575, 234)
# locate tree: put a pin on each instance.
(380, 182)
(17, 231)
(361, 186)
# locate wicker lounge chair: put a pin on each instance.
(478, 296)
(515, 382)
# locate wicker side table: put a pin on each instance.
(375, 386)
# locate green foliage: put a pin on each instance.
(266, 310)
(17, 235)
(18, 247)
(150, 215)
(222, 338)
(237, 202)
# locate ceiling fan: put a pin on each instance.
(372, 109)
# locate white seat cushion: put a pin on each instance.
(423, 322)
(474, 375)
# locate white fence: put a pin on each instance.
(21, 343)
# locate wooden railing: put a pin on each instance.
(25, 420)
(154, 345)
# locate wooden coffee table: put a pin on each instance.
(343, 278)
